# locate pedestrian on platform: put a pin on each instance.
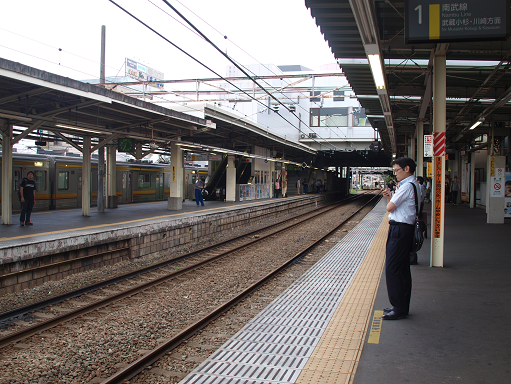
(305, 186)
(284, 186)
(299, 186)
(200, 185)
(401, 208)
(455, 187)
(27, 197)
(277, 187)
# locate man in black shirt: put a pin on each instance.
(27, 192)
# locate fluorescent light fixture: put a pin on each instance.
(477, 123)
(376, 69)
(78, 128)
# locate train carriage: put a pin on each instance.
(59, 181)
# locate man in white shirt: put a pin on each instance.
(401, 208)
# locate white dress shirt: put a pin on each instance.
(404, 201)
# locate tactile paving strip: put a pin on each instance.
(275, 346)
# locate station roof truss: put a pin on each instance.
(478, 80)
(36, 101)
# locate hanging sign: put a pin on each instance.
(428, 21)
(428, 145)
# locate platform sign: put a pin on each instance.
(497, 186)
(437, 219)
(428, 145)
(435, 21)
(142, 72)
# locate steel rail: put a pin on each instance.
(16, 312)
(50, 323)
(149, 358)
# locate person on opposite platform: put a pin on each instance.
(455, 187)
(401, 208)
(284, 186)
(199, 186)
(27, 197)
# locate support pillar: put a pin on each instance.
(175, 202)
(420, 148)
(495, 189)
(472, 193)
(111, 177)
(438, 189)
(101, 175)
(230, 184)
(86, 177)
(6, 129)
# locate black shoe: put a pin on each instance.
(387, 310)
(29, 223)
(22, 224)
(393, 315)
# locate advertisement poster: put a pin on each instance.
(507, 195)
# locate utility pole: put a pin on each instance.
(101, 150)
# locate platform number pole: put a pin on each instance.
(439, 145)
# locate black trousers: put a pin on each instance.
(26, 211)
(397, 266)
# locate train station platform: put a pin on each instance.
(326, 327)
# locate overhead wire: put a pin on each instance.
(198, 61)
(237, 66)
(248, 70)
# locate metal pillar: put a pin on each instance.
(111, 177)
(175, 201)
(6, 129)
(86, 177)
(412, 148)
(103, 49)
(438, 189)
(495, 189)
(420, 147)
(230, 184)
(101, 176)
(472, 193)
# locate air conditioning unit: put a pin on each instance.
(312, 135)
(303, 136)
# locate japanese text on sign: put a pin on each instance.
(438, 197)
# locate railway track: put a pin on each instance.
(155, 281)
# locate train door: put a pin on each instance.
(79, 191)
(159, 186)
(17, 176)
(127, 190)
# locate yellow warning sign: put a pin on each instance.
(438, 196)
(429, 170)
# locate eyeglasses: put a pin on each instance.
(397, 169)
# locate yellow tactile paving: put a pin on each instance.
(336, 356)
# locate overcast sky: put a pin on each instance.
(280, 32)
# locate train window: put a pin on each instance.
(40, 180)
(63, 181)
(144, 180)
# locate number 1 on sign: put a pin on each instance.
(419, 9)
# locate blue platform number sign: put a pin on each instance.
(428, 21)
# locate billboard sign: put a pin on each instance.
(142, 72)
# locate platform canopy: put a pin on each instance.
(47, 107)
(478, 76)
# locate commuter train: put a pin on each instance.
(59, 181)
